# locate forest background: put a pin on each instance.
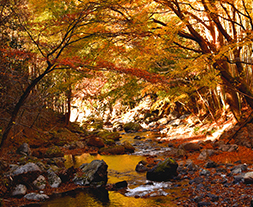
(196, 54)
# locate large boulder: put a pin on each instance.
(163, 171)
(93, 174)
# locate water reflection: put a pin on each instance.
(87, 198)
(120, 167)
(143, 135)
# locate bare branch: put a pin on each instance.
(188, 48)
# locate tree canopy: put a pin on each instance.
(183, 50)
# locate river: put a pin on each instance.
(120, 168)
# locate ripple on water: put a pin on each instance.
(151, 189)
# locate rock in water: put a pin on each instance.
(94, 174)
(141, 167)
(120, 185)
(163, 171)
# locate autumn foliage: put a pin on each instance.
(196, 53)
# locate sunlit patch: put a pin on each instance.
(150, 190)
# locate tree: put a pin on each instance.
(221, 33)
(13, 58)
(62, 35)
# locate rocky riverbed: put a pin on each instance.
(210, 173)
(206, 172)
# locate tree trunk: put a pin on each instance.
(67, 115)
(233, 100)
(231, 88)
(68, 94)
(19, 105)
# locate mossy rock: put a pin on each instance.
(104, 134)
(166, 164)
(63, 136)
(132, 127)
(54, 151)
(112, 150)
(163, 171)
(128, 147)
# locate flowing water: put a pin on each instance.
(120, 168)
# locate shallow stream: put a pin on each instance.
(121, 168)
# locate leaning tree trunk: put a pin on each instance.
(20, 104)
